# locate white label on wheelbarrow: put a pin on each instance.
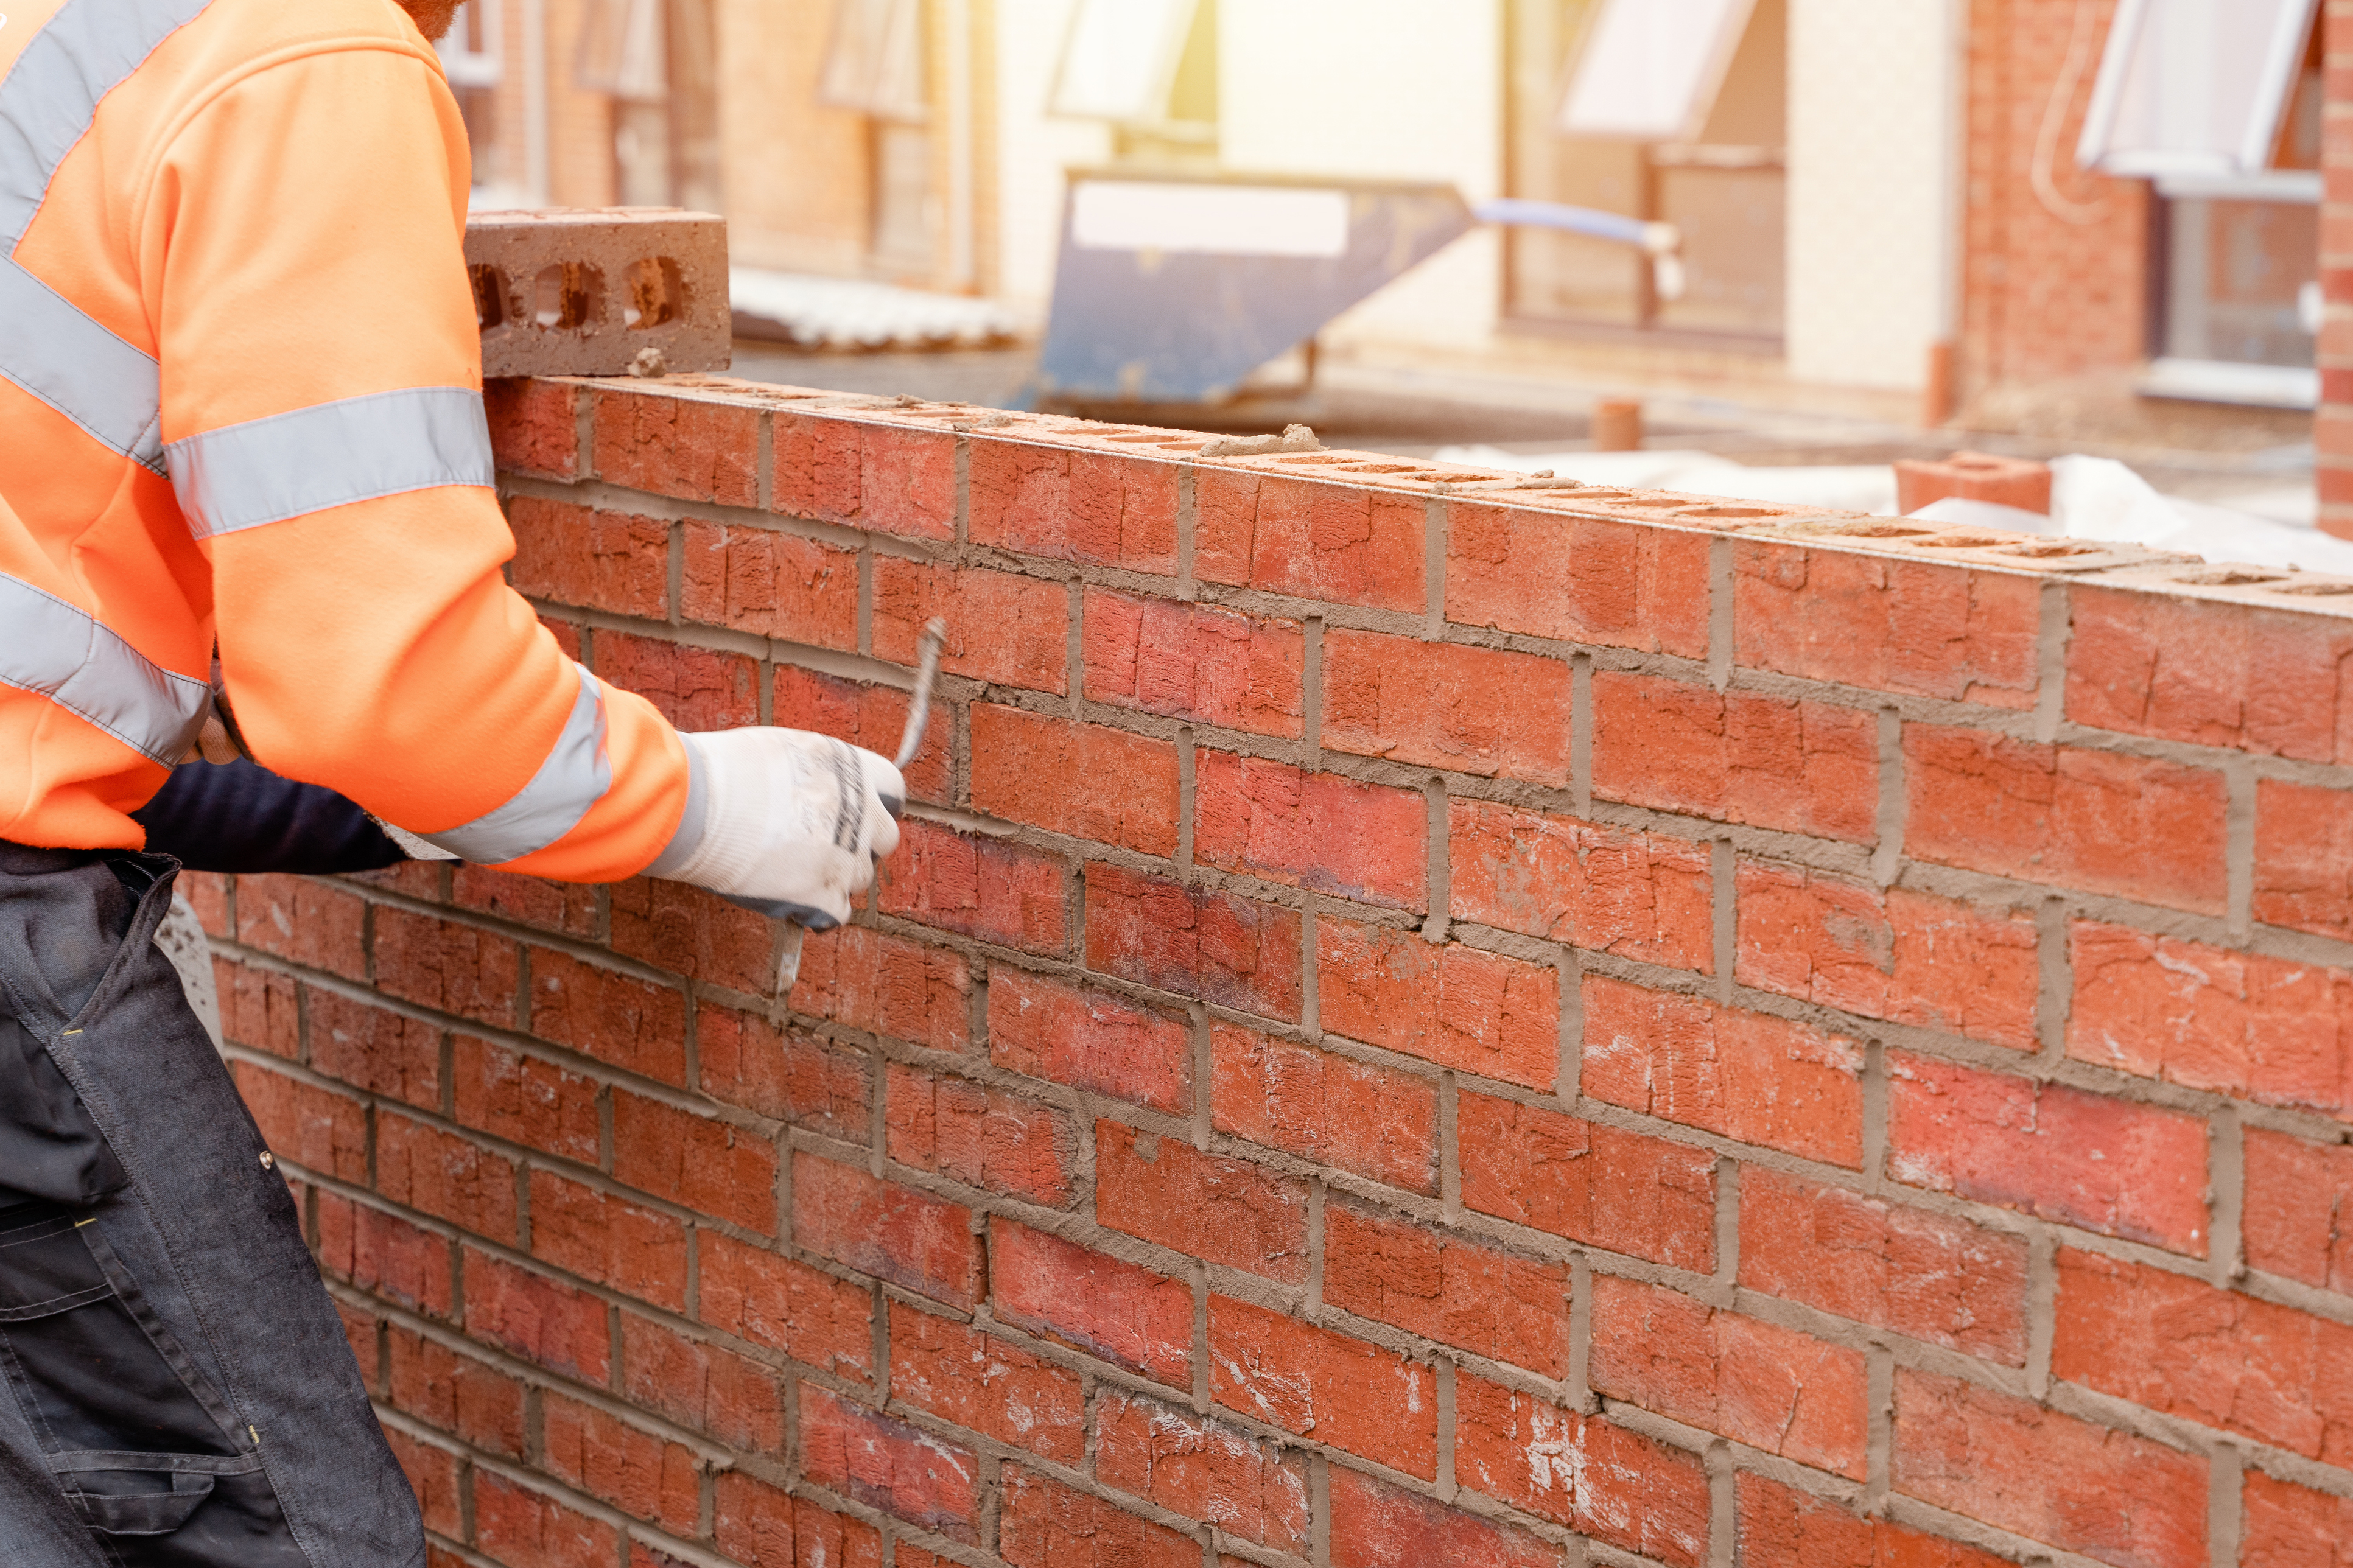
(1215, 220)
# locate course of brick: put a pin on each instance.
(1424, 1019)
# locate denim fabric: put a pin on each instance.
(176, 1388)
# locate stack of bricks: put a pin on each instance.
(1422, 1020)
(2333, 427)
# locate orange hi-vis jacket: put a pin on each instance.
(240, 406)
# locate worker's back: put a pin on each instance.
(239, 402)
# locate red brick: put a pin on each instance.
(462, 1396)
(697, 1161)
(1801, 767)
(769, 583)
(302, 922)
(908, 1237)
(2299, 1219)
(1194, 941)
(731, 1398)
(786, 1306)
(385, 1254)
(644, 1476)
(569, 639)
(1220, 1210)
(1378, 1526)
(432, 1472)
(1638, 895)
(988, 887)
(888, 1465)
(1193, 662)
(1326, 1108)
(448, 1177)
(1106, 508)
(359, 1325)
(1458, 1007)
(1780, 1527)
(873, 716)
(2183, 1348)
(1919, 627)
(1470, 710)
(2049, 1478)
(1203, 1468)
(1907, 957)
(1077, 779)
(986, 1384)
(207, 894)
(1769, 1387)
(1049, 1525)
(1745, 1076)
(1349, 544)
(536, 1318)
(1002, 629)
(608, 1241)
(1318, 831)
(2018, 482)
(524, 1099)
(534, 425)
(444, 965)
(317, 1128)
(980, 1136)
(617, 1019)
(689, 932)
(526, 1529)
(889, 478)
(2273, 682)
(1925, 1275)
(2303, 857)
(2092, 820)
(595, 560)
(693, 688)
(2266, 1029)
(566, 906)
(1472, 1297)
(694, 449)
(1350, 1395)
(1641, 1196)
(2062, 1154)
(886, 984)
(1090, 1040)
(1125, 1314)
(785, 1073)
(753, 1522)
(258, 1007)
(375, 1050)
(1576, 579)
(1597, 1478)
(2283, 1525)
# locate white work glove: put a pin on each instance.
(783, 822)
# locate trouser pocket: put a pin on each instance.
(142, 1446)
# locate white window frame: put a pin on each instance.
(1617, 28)
(2099, 147)
(1149, 109)
(2233, 381)
(475, 67)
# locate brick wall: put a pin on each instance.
(2046, 294)
(2333, 425)
(1420, 1021)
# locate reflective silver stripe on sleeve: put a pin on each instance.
(48, 347)
(574, 777)
(53, 650)
(48, 100)
(331, 454)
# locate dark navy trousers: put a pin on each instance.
(176, 1387)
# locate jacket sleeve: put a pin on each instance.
(301, 244)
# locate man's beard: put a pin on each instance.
(432, 16)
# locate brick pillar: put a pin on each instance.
(2333, 425)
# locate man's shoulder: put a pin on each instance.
(227, 35)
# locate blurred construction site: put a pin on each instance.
(1849, 231)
